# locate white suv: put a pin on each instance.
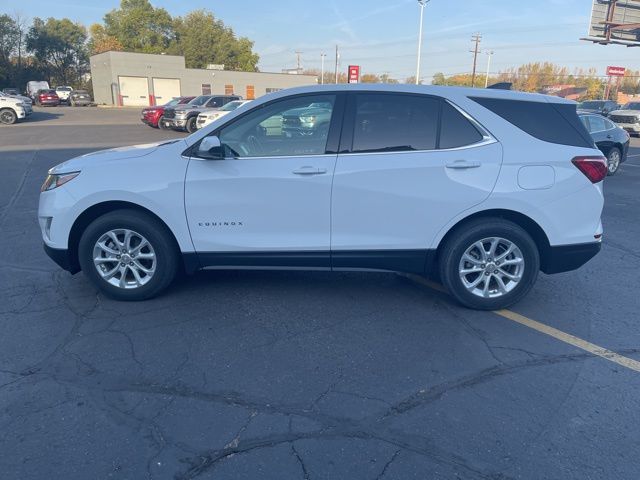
(13, 109)
(480, 188)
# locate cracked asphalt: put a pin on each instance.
(303, 375)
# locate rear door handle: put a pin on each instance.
(462, 164)
(308, 170)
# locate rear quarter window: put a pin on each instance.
(550, 122)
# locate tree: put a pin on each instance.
(202, 40)
(102, 42)
(59, 48)
(139, 27)
(385, 78)
(9, 34)
(369, 78)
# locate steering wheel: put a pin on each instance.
(254, 145)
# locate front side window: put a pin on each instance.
(291, 127)
(395, 123)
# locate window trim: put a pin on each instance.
(346, 144)
(588, 117)
(333, 138)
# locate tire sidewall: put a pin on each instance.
(14, 116)
(153, 231)
(161, 124)
(614, 149)
(191, 125)
(464, 238)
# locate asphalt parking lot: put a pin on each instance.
(306, 375)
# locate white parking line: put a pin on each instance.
(548, 330)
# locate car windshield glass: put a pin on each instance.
(199, 100)
(591, 104)
(171, 103)
(231, 106)
(632, 106)
(64, 89)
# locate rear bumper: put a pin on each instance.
(62, 258)
(565, 258)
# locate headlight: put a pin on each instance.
(308, 119)
(19, 104)
(54, 180)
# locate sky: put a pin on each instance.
(381, 35)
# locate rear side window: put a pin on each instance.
(456, 130)
(389, 122)
(549, 122)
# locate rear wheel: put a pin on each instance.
(614, 158)
(191, 125)
(8, 116)
(489, 264)
(161, 123)
(128, 255)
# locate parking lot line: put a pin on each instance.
(550, 331)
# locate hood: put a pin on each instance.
(625, 113)
(110, 155)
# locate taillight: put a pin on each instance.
(594, 168)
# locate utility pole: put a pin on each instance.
(298, 61)
(322, 56)
(489, 54)
(476, 38)
(337, 62)
(422, 4)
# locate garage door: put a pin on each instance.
(165, 89)
(134, 91)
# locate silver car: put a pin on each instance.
(628, 117)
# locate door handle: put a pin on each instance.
(609, 136)
(462, 164)
(308, 170)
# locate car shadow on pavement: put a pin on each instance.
(41, 116)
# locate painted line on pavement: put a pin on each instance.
(548, 330)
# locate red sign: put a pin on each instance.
(616, 71)
(354, 73)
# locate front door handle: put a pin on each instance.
(462, 164)
(308, 170)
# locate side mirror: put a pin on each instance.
(210, 148)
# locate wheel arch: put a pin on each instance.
(527, 223)
(91, 213)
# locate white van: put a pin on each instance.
(33, 87)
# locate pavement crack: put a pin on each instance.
(305, 471)
(387, 465)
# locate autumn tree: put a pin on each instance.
(140, 27)
(101, 42)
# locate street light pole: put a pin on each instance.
(322, 55)
(422, 4)
(486, 80)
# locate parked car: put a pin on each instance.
(612, 140)
(154, 116)
(184, 117)
(13, 109)
(11, 91)
(34, 86)
(47, 97)
(484, 188)
(601, 107)
(207, 116)
(25, 100)
(79, 98)
(311, 120)
(628, 117)
(63, 93)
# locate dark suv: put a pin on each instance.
(601, 107)
(183, 117)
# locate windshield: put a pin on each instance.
(201, 100)
(63, 89)
(591, 104)
(231, 106)
(632, 106)
(172, 103)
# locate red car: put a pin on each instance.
(153, 116)
(47, 97)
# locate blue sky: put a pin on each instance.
(381, 35)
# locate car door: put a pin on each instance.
(599, 132)
(408, 165)
(267, 200)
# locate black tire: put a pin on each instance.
(161, 124)
(8, 116)
(191, 125)
(164, 246)
(614, 158)
(464, 237)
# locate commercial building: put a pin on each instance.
(140, 79)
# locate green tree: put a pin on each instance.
(9, 33)
(59, 49)
(139, 27)
(203, 40)
(101, 42)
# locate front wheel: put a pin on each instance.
(191, 125)
(162, 125)
(614, 158)
(8, 116)
(489, 264)
(128, 255)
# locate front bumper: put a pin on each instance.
(62, 258)
(565, 258)
(630, 127)
(177, 123)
